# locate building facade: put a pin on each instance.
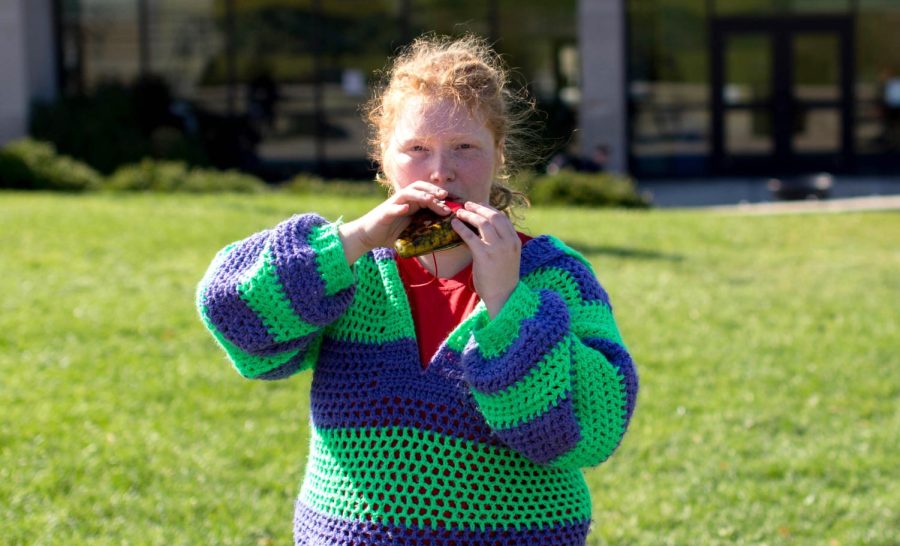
(660, 88)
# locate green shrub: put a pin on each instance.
(175, 176)
(584, 189)
(211, 180)
(305, 183)
(32, 165)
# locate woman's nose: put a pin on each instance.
(442, 168)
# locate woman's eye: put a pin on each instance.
(465, 146)
(417, 148)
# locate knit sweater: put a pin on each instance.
(484, 446)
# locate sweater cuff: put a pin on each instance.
(331, 262)
(495, 336)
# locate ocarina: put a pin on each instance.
(428, 232)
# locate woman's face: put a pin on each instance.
(441, 143)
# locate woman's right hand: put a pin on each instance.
(381, 226)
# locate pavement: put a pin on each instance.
(753, 194)
(850, 204)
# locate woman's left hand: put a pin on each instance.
(496, 250)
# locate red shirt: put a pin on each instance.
(438, 305)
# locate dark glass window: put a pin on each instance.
(668, 91)
(100, 43)
(304, 69)
(775, 7)
(280, 82)
(187, 42)
(878, 82)
(539, 41)
(450, 17)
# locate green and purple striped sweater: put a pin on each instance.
(482, 447)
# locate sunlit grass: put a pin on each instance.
(766, 346)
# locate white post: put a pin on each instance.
(27, 62)
(603, 111)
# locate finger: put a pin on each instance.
(389, 213)
(484, 225)
(483, 210)
(466, 234)
(421, 198)
(500, 222)
(395, 210)
(421, 185)
(439, 207)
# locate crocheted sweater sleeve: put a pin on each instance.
(267, 299)
(550, 372)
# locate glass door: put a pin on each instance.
(816, 93)
(747, 95)
(782, 95)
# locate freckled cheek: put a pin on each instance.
(400, 171)
(481, 169)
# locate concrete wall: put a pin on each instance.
(27, 62)
(603, 111)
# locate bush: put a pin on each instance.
(32, 165)
(305, 183)
(175, 176)
(583, 189)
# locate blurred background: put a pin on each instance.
(656, 88)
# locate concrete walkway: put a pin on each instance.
(850, 204)
(864, 193)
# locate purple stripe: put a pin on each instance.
(546, 437)
(618, 356)
(228, 312)
(312, 528)
(293, 365)
(536, 253)
(382, 253)
(537, 335)
(361, 385)
(296, 265)
(587, 283)
(541, 252)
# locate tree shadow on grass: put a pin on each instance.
(624, 252)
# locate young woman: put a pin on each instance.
(456, 395)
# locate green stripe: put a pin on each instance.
(589, 319)
(348, 469)
(533, 395)
(461, 335)
(261, 289)
(245, 363)
(250, 365)
(498, 334)
(599, 401)
(558, 280)
(380, 311)
(595, 319)
(330, 259)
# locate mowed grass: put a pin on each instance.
(767, 348)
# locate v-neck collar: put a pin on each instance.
(535, 252)
(400, 301)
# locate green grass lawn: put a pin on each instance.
(767, 348)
